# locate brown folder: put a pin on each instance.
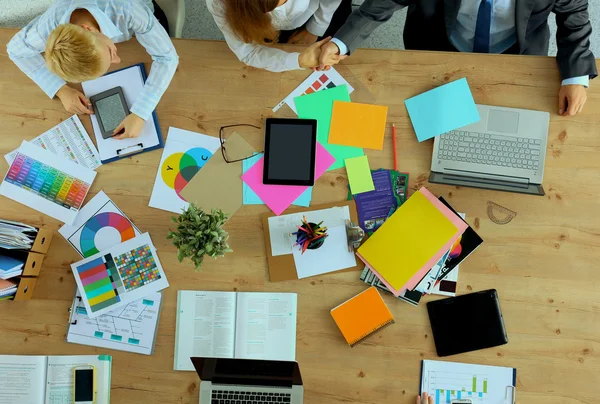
(282, 267)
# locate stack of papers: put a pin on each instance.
(10, 267)
(8, 288)
(419, 235)
(16, 235)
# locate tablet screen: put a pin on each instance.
(110, 111)
(291, 149)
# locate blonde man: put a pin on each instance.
(78, 40)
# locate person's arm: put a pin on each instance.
(155, 39)
(363, 21)
(259, 56)
(25, 50)
(574, 56)
(319, 22)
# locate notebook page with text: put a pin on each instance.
(60, 377)
(22, 379)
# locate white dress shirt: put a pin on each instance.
(316, 14)
(503, 33)
(120, 20)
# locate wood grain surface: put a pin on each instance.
(544, 263)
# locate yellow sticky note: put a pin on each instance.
(358, 125)
(359, 175)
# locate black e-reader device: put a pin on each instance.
(290, 149)
(480, 310)
(110, 109)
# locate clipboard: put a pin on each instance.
(138, 147)
(282, 267)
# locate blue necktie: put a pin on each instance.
(481, 42)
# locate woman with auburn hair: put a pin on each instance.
(251, 26)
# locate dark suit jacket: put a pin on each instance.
(429, 24)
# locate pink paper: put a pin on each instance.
(279, 197)
(460, 225)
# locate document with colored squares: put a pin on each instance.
(47, 183)
(119, 275)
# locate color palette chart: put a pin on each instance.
(119, 275)
(317, 81)
(101, 283)
(99, 222)
(47, 182)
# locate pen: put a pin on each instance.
(394, 143)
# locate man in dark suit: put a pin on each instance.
(484, 26)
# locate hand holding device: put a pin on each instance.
(425, 399)
(84, 387)
(74, 101)
(130, 127)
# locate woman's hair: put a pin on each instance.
(73, 54)
(250, 21)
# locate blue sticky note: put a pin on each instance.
(442, 109)
(250, 197)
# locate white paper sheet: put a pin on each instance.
(132, 83)
(22, 379)
(45, 182)
(185, 153)
(131, 328)
(332, 256)
(123, 274)
(59, 387)
(99, 225)
(281, 226)
(325, 80)
(446, 381)
(68, 140)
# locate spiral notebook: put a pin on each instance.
(362, 316)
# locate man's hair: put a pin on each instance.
(72, 53)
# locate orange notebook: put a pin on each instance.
(362, 316)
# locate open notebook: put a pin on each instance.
(49, 379)
(234, 325)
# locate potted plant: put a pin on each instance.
(198, 234)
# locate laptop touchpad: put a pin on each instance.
(503, 121)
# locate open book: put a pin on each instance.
(49, 379)
(234, 325)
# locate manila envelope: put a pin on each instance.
(218, 185)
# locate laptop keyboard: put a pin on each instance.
(247, 397)
(496, 150)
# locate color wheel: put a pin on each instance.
(179, 168)
(98, 222)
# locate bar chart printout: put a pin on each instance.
(447, 381)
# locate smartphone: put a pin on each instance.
(462, 401)
(84, 388)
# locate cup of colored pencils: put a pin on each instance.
(310, 236)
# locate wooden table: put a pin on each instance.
(544, 263)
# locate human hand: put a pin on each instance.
(330, 55)
(302, 36)
(310, 56)
(571, 99)
(130, 127)
(424, 399)
(74, 101)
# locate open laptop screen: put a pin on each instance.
(248, 372)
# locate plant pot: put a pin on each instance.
(316, 243)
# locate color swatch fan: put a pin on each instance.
(99, 225)
(184, 155)
(124, 273)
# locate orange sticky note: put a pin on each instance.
(358, 125)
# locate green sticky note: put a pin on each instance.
(319, 106)
(359, 175)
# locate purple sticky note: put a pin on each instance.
(279, 197)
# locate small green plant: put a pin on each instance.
(199, 234)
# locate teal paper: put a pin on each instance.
(442, 109)
(319, 106)
(250, 197)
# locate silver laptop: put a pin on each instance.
(248, 381)
(504, 151)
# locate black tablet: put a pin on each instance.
(110, 109)
(467, 323)
(290, 148)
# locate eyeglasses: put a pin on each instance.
(223, 141)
